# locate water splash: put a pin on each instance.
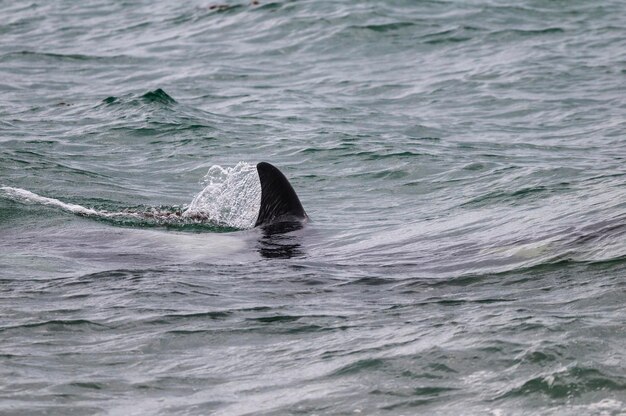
(231, 196)
(230, 200)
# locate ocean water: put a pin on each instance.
(463, 165)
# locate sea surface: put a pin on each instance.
(463, 164)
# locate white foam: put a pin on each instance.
(24, 196)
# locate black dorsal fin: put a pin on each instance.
(279, 202)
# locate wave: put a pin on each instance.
(156, 96)
(36, 55)
(567, 382)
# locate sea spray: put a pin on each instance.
(231, 196)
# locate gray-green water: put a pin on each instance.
(462, 162)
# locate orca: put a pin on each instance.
(281, 210)
(279, 218)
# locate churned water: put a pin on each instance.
(463, 165)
